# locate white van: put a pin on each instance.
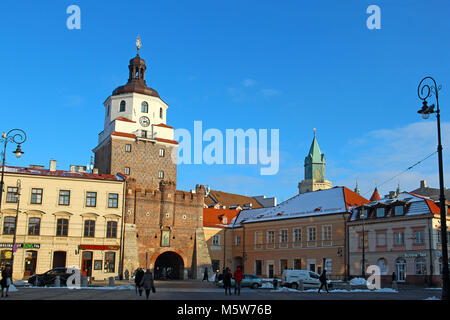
(291, 278)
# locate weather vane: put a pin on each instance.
(138, 44)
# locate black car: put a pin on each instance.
(48, 278)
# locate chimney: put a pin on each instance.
(95, 171)
(423, 184)
(52, 165)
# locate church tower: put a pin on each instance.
(136, 139)
(314, 170)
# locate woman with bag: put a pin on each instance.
(6, 280)
(147, 283)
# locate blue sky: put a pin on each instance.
(287, 65)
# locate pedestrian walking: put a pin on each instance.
(323, 281)
(394, 276)
(137, 280)
(205, 275)
(6, 279)
(147, 283)
(227, 280)
(238, 276)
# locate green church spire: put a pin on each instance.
(315, 162)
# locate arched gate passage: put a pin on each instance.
(169, 265)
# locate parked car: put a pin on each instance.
(48, 278)
(249, 280)
(291, 278)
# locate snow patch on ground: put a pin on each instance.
(12, 288)
(121, 287)
(358, 282)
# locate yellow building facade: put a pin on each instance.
(61, 219)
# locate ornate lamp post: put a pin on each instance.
(18, 136)
(424, 91)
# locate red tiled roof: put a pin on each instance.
(375, 195)
(214, 217)
(166, 140)
(353, 199)
(434, 208)
(125, 119)
(163, 125)
(123, 134)
(230, 199)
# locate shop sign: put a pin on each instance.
(415, 255)
(21, 245)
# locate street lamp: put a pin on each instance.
(18, 136)
(424, 91)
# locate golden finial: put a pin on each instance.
(138, 44)
(314, 132)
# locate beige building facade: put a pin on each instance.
(400, 235)
(61, 219)
(307, 231)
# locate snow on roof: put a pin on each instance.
(320, 202)
(61, 173)
(416, 205)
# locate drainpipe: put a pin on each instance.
(430, 229)
(122, 233)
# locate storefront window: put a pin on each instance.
(5, 258)
(421, 267)
(110, 262)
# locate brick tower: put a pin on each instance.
(163, 228)
(136, 140)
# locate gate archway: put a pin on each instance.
(169, 266)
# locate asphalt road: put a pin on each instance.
(197, 290)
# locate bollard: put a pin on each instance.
(301, 287)
(111, 282)
(57, 282)
(84, 281)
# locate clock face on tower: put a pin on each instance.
(144, 121)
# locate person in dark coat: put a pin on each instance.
(227, 280)
(205, 275)
(394, 276)
(6, 274)
(137, 280)
(147, 282)
(323, 280)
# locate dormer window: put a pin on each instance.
(398, 210)
(122, 106)
(144, 107)
(380, 212)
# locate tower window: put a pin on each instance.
(108, 109)
(128, 148)
(161, 174)
(161, 113)
(144, 107)
(127, 170)
(162, 152)
(122, 106)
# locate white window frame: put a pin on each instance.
(422, 237)
(216, 240)
(270, 232)
(297, 236)
(284, 237)
(324, 232)
(309, 239)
